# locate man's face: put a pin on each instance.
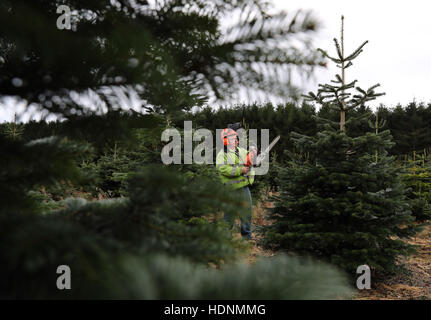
(232, 141)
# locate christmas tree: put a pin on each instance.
(337, 201)
(417, 178)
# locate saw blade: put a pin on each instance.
(263, 154)
(272, 144)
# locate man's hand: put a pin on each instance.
(244, 170)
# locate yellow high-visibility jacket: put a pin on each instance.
(229, 167)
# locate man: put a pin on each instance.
(234, 173)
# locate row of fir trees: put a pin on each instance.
(156, 237)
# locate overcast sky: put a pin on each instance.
(398, 55)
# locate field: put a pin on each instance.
(133, 132)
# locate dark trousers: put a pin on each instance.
(245, 195)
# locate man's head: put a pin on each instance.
(229, 137)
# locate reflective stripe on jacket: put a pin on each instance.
(229, 167)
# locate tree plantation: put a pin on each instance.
(89, 209)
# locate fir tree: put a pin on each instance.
(417, 178)
(377, 125)
(335, 95)
(13, 130)
(336, 202)
(171, 54)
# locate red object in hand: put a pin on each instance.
(250, 159)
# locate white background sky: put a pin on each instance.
(398, 55)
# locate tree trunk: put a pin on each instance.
(343, 109)
(342, 120)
